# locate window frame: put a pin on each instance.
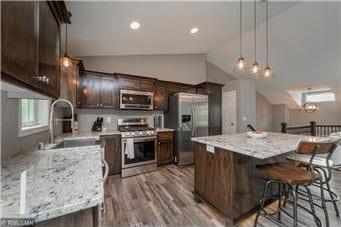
(37, 126)
(304, 96)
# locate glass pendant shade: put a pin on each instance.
(66, 61)
(255, 68)
(241, 63)
(310, 107)
(267, 71)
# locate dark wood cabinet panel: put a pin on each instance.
(112, 152)
(108, 93)
(214, 92)
(48, 51)
(165, 148)
(98, 90)
(19, 31)
(173, 88)
(31, 44)
(132, 82)
(90, 91)
(160, 96)
(129, 84)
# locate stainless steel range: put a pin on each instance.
(138, 146)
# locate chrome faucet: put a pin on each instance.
(52, 120)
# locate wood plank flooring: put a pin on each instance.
(164, 198)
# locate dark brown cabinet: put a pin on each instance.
(19, 31)
(160, 96)
(131, 82)
(112, 152)
(214, 92)
(98, 90)
(30, 44)
(48, 51)
(165, 148)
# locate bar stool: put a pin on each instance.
(322, 165)
(290, 178)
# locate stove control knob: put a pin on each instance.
(132, 133)
(128, 134)
(140, 133)
(152, 132)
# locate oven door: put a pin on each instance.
(136, 100)
(138, 151)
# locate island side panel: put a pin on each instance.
(213, 178)
(228, 181)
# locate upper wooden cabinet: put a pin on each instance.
(48, 51)
(160, 96)
(98, 90)
(31, 44)
(131, 82)
(214, 92)
(19, 32)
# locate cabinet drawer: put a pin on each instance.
(165, 136)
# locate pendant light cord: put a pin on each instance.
(255, 3)
(240, 26)
(267, 33)
(66, 38)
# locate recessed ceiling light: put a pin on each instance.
(135, 25)
(194, 30)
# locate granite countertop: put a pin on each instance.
(273, 145)
(96, 135)
(58, 182)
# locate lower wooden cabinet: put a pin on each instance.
(112, 152)
(165, 148)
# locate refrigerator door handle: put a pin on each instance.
(192, 120)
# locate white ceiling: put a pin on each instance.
(102, 28)
(305, 46)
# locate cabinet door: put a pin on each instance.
(160, 97)
(108, 93)
(48, 51)
(165, 148)
(146, 85)
(128, 84)
(112, 152)
(90, 91)
(19, 40)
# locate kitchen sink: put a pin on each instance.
(77, 143)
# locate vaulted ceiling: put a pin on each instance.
(305, 46)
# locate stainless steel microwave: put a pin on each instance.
(136, 100)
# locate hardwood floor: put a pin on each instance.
(164, 198)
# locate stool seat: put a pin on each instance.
(287, 173)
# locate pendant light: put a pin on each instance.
(241, 60)
(267, 71)
(255, 66)
(66, 60)
(310, 107)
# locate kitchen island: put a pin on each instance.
(225, 174)
(53, 186)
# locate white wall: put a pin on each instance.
(263, 113)
(184, 68)
(329, 113)
(280, 113)
(217, 75)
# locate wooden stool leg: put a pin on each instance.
(279, 200)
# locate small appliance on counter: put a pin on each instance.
(158, 121)
(98, 124)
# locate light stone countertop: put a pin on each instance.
(273, 145)
(164, 130)
(58, 182)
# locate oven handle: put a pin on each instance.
(152, 138)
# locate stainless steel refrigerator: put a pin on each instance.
(188, 115)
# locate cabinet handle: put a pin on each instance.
(101, 104)
(97, 104)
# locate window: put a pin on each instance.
(34, 116)
(319, 96)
